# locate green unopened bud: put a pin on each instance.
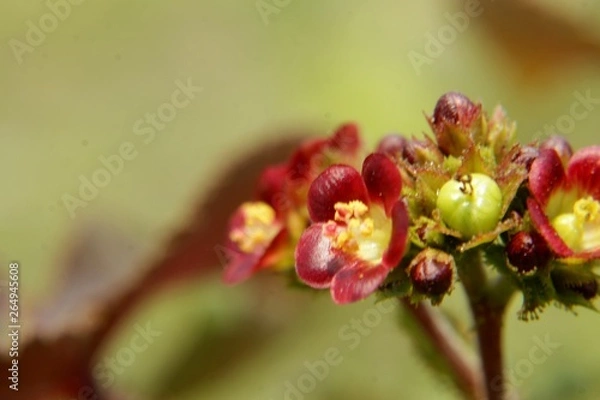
(470, 204)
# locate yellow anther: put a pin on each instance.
(587, 210)
(367, 227)
(353, 209)
(346, 241)
(355, 231)
(354, 224)
(258, 213)
(258, 228)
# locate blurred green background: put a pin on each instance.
(77, 96)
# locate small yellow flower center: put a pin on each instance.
(362, 231)
(580, 230)
(259, 227)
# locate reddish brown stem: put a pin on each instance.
(489, 333)
(488, 303)
(441, 335)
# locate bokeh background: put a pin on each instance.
(295, 67)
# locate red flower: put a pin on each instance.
(360, 229)
(264, 233)
(257, 230)
(565, 207)
(313, 156)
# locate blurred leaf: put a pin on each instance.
(539, 41)
(101, 265)
(102, 280)
(54, 358)
(213, 355)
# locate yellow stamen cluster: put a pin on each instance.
(580, 230)
(358, 234)
(258, 229)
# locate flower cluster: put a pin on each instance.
(404, 219)
(263, 233)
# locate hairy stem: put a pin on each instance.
(441, 335)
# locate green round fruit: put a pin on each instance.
(470, 205)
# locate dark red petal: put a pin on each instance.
(240, 266)
(271, 186)
(561, 145)
(543, 226)
(346, 139)
(338, 183)
(356, 281)
(306, 160)
(316, 263)
(583, 171)
(277, 249)
(398, 147)
(383, 180)
(399, 238)
(546, 175)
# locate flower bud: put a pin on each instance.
(527, 251)
(431, 272)
(568, 281)
(525, 156)
(470, 204)
(346, 139)
(397, 147)
(588, 290)
(560, 145)
(453, 117)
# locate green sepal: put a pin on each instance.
(510, 177)
(501, 132)
(397, 284)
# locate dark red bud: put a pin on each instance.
(431, 272)
(560, 145)
(525, 156)
(453, 117)
(346, 138)
(587, 289)
(397, 147)
(527, 251)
